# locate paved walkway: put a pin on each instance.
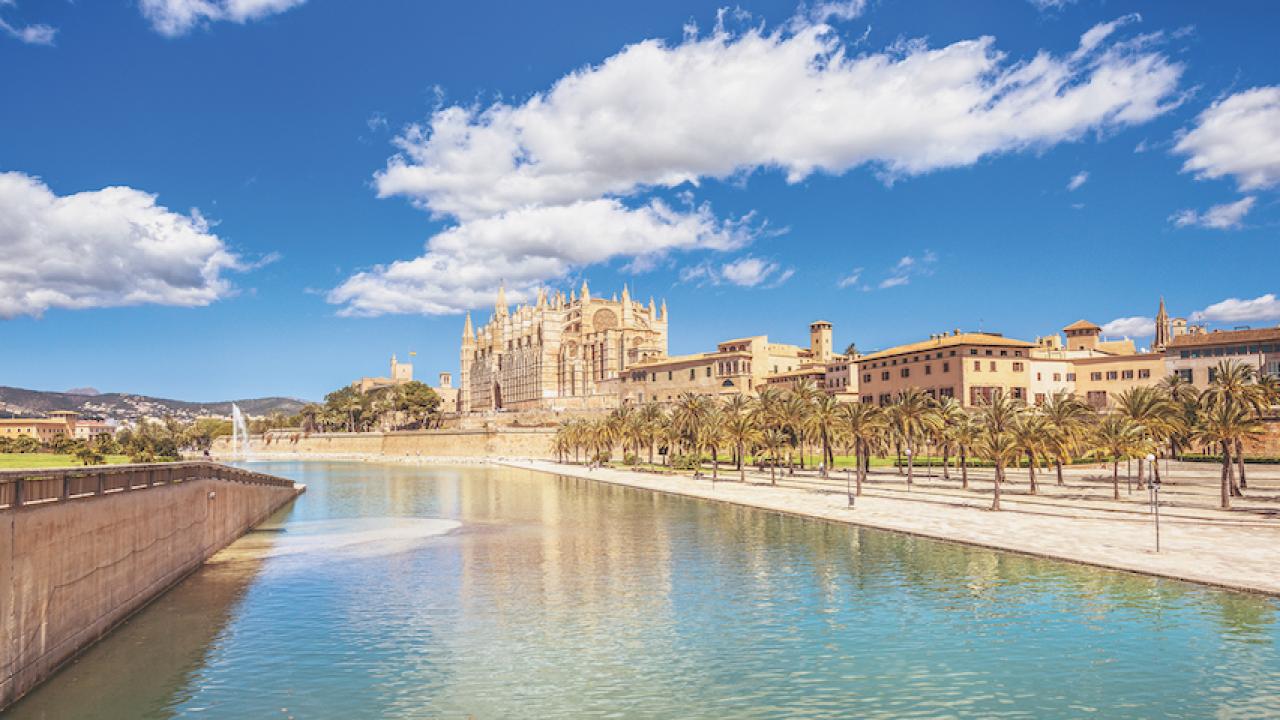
(1079, 522)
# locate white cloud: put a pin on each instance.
(837, 10)
(850, 280)
(1264, 308)
(722, 106)
(1044, 5)
(1130, 327)
(1237, 136)
(37, 34)
(1227, 216)
(174, 18)
(655, 115)
(908, 267)
(103, 248)
(464, 264)
(1077, 180)
(750, 271)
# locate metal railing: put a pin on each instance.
(24, 488)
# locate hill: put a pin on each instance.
(124, 406)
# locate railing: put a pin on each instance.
(19, 488)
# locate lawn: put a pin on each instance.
(23, 461)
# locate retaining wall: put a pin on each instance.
(533, 443)
(73, 565)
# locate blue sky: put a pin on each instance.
(212, 199)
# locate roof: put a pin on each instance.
(802, 372)
(1225, 337)
(1082, 325)
(673, 360)
(949, 341)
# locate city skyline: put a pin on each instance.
(294, 218)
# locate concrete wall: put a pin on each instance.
(72, 570)
(504, 442)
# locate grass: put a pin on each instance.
(24, 461)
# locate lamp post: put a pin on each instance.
(1154, 484)
(908, 453)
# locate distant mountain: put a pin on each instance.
(84, 391)
(122, 406)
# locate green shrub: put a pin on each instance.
(1260, 459)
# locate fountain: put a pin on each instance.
(239, 434)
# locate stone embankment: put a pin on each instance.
(447, 443)
(82, 549)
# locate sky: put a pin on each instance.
(222, 199)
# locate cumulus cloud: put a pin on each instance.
(174, 18)
(1044, 5)
(464, 264)
(1264, 308)
(1226, 216)
(1237, 136)
(835, 10)
(752, 271)
(1077, 180)
(725, 105)
(1130, 327)
(37, 34)
(103, 248)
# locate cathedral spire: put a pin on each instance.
(1161, 339)
(500, 307)
(586, 293)
(467, 332)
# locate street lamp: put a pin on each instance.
(1154, 484)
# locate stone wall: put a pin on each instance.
(534, 443)
(73, 569)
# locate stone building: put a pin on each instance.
(967, 366)
(558, 353)
(1195, 357)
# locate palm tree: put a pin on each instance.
(1226, 425)
(949, 413)
(823, 423)
(911, 416)
(1234, 383)
(773, 440)
(742, 430)
(864, 425)
(965, 433)
(652, 418)
(1148, 408)
(997, 417)
(793, 415)
(714, 433)
(738, 405)
(1028, 433)
(1117, 436)
(1066, 419)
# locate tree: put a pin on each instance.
(89, 454)
(1150, 410)
(1066, 420)
(1226, 425)
(912, 415)
(950, 413)
(773, 440)
(741, 430)
(823, 423)
(997, 417)
(966, 434)
(715, 430)
(1234, 383)
(1117, 436)
(865, 425)
(1028, 432)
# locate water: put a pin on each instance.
(239, 434)
(396, 592)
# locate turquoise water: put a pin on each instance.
(400, 592)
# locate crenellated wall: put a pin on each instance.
(79, 554)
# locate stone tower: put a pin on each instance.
(1162, 329)
(820, 340)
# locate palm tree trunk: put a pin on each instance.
(1244, 484)
(1058, 464)
(1115, 479)
(910, 470)
(857, 464)
(897, 447)
(1226, 475)
(1031, 468)
(946, 458)
(995, 498)
(964, 469)
(715, 464)
(773, 471)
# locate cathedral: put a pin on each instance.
(558, 353)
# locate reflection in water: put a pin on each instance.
(401, 592)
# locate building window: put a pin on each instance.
(1057, 377)
(1017, 367)
(1019, 393)
(906, 372)
(1144, 374)
(884, 375)
(1127, 374)
(866, 377)
(1184, 374)
(928, 369)
(946, 367)
(708, 371)
(993, 366)
(1071, 377)
(977, 366)
(1112, 375)
(1095, 376)
(669, 375)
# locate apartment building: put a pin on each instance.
(969, 366)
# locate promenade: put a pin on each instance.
(1078, 522)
